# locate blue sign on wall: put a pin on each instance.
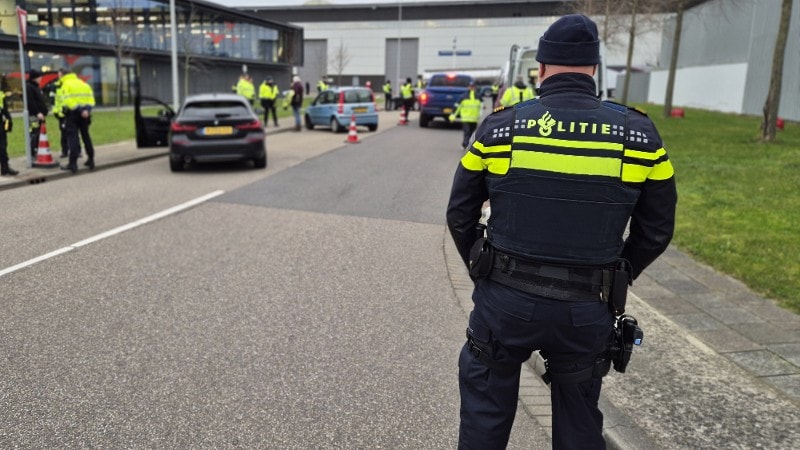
(458, 53)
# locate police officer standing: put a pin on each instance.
(495, 92)
(77, 106)
(563, 174)
(517, 92)
(387, 95)
(268, 92)
(59, 112)
(407, 93)
(246, 89)
(469, 109)
(37, 107)
(6, 124)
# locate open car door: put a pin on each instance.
(153, 118)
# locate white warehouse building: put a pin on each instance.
(724, 60)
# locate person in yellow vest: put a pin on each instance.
(5, 128)
(516, 93)
(407, 93)
(246, 89)
(78, 101)
(387, 95)
(58, 111)
(321, 85)
(495, 92)
(469, 109)
(268, 93)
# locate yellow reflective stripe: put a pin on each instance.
(662, 171)
(497, 166)
(595, 145)
(579, 165)
(645, 155)
(473, 162)
(492, 148)
(634, 173)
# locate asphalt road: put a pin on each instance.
(305, 306)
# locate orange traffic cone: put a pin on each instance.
(352, 135)
(43, 156)
(403, 118)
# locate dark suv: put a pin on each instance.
(441, 95)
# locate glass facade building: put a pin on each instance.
(115, 43)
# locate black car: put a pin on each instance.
(191, 141)
(216, 127)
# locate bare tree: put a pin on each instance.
(190, 44)
(673, 60)
(632, 38)
(773, 101)
(341, 57)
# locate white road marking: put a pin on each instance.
(112, 232)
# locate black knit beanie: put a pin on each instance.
(570, 41)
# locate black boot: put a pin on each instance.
(89, 163)
(72, 167)
(5, 170)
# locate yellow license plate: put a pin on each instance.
(447, 110)
(359, 110)
(217, 131)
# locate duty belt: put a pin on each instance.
(566, 283)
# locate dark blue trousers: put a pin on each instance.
(513, 324)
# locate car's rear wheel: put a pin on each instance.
(309, 124)
(335, 126)
(372, 127)
(260, 163)
(176, 166)
(424, 120)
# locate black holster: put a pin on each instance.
(481, 259)
(615, 286)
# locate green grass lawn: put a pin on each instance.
(739, 199)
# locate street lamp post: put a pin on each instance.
(399, 35)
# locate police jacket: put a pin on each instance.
(246, 89)
(37, 103)
(267, 91)
(563, 174)
(76, 94)
(6, 122)
(469, 108)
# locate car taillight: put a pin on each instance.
(423, 98)
(340, 110)
(178, 127)
(250, 126)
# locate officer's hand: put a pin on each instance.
(451, 117)
(9, 126)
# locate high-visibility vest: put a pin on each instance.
(407, 91)
(58, 100)
(322, 85)
(267, 91)
(76, 92)
(469, 108)
(514, 95)
(387, 88)
(246, 89)
(495, 89)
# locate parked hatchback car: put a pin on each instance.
(337, 106)
(216, 127)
